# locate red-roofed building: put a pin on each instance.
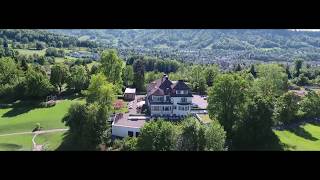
(167, 98)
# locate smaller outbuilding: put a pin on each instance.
(129, 94)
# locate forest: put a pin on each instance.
(209, 45)
(250, 106)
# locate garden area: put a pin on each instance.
(24, 116)
(305, 137)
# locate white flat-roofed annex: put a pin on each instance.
(130, 91)
(131, 121)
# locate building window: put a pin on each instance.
(156, 108)
(167, 108)
(130, 133)
(137, 134)
(158, 98)
(174, 107)
(183, 99)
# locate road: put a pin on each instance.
(38, 132)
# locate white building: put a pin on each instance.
(167, 98)
(126, 125)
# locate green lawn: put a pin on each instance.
(16, 142)
(51, 140)
(304, 138)
(31, 52)
(23, 118)
(205, 118)
(62, 59)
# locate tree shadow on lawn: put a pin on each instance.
(21, 108)
(10, 147)
(67, 144)
(299, 131)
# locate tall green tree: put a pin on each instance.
(87, 125)
(211, 73)
(193, 136)
(288, 72)
(215, 137)
(226, 99)
(272, 80)
(253, 71)
(59, 75)
(78, 79)
(298, 66)
(9, 72)
(138, 74)
(157, 135)
(286, 108)
(310, 105)
(128, 75)
(100, 91)
(254, 131)
(112, 66)
(37, 85)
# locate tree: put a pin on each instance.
(112, 66)
(94, 69)
(126, 144)
(302, 80)
(192, 137)
(87, 125)
(288, 72)
(210, 74)
(9, 72)
(215, 137)
(238, 68)
(157, 135)
(272, 80)
(226, 99)
(254, 131)
(128, 75)
(59, 75)
(100, 91)
(202, 86)
(138, 74)
(40, 45)
(78, 79)
(310, 105)
(286, 108)
(37, 85)
(25, 40)
(253, 71)
(24, 65)
(298, 66)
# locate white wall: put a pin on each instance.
(177, 100)
(122, 131)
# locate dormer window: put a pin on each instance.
(181, 91)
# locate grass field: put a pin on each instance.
(303, 138)
(23, 118)
(31, 52)
(205, 118)
(51, 140)
(16, 142)
(62, 59)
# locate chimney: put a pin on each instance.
(164, 77)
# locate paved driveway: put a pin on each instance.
(197, 99)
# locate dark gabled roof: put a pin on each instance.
(158, 92)
(164, 86)
(180, 85)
